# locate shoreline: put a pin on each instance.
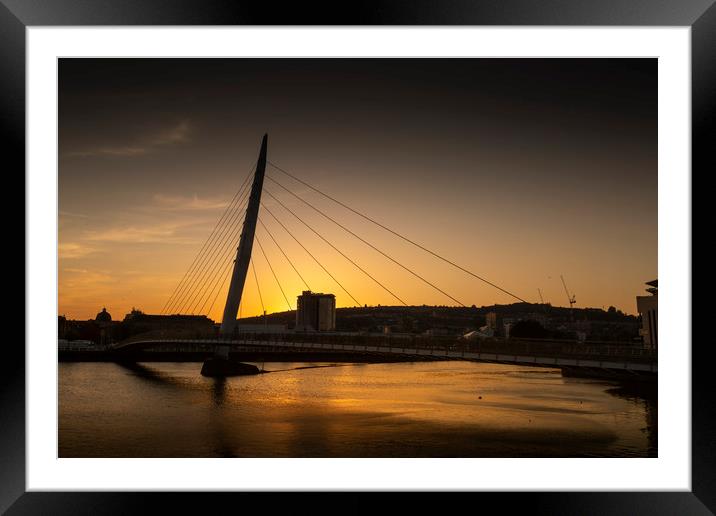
(327, 356)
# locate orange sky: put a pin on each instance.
(532, 185)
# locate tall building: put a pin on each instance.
(315, 312)
(494, 322)
(647, 306)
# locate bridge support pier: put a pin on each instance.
(219, 367)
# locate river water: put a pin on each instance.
(421, 409)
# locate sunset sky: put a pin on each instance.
(517, 169)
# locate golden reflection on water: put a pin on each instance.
(424, 409)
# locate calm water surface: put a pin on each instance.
(424, 409)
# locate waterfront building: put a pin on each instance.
(315, 312)
(137, 322)
(103, 316)
(648, 306)
(493, 321)
(104, 321)
(61, 326)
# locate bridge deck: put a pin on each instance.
(518, 354)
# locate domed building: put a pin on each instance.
(103, 316)
(104, 321)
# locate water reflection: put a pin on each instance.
(437, 409)
(147, 373)
(646, 395)
(218, 391)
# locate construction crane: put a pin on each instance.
(570, 297)
(541, 299)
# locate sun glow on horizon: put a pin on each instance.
(520, 170)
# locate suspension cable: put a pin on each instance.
(226, 238)
(225, 258)
(219, 244)
(228, 218)
(256, 278)
(366, 217)
(335, 248)
(202, 279)
(272, 272)
(226, 276)
(228, 208)
(213, 232)
(309, 254)
(366, 242)
(284, 254)
(215, 277)
(213, 269)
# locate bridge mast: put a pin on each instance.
(243, 252)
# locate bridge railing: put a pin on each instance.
(439, 343)
(436, 344)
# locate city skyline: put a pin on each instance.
(520, 170)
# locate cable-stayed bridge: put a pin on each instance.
(227, 255)
(605, 360)
(198, 290)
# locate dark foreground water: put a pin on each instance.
(425, 409)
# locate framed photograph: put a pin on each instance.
(413, 249)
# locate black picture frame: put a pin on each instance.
(17, 15)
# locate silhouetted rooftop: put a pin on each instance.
(103, 316)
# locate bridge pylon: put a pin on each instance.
(241, 267)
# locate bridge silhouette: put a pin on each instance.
(234, 236)
(593, 359)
